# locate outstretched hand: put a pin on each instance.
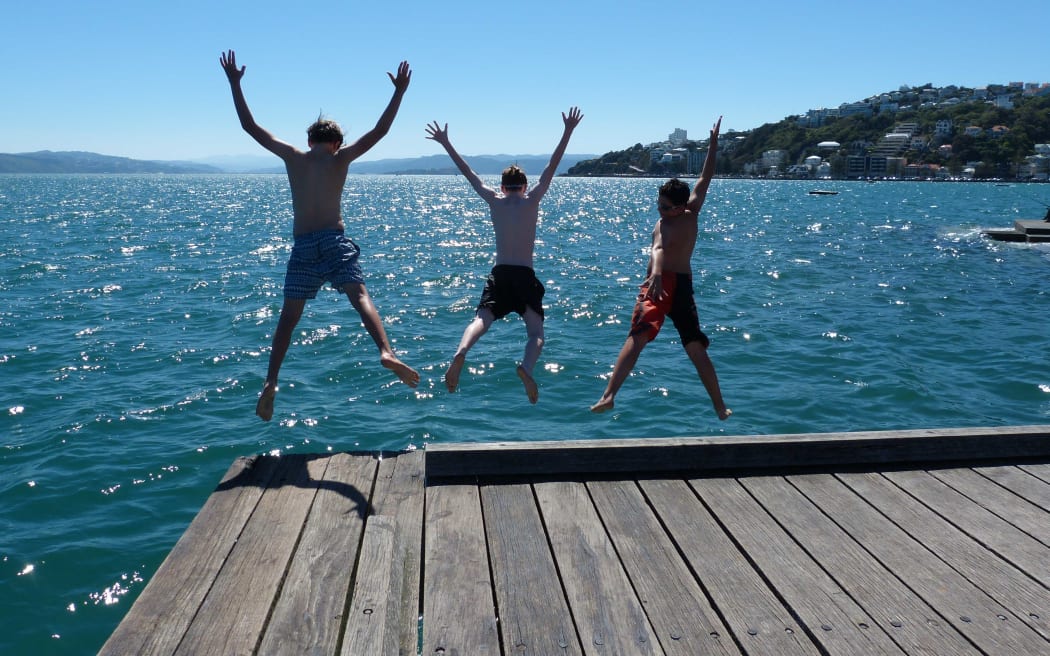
(404, 76)
(437, 133)
(715, 129)
(228, 61)
(573, 119)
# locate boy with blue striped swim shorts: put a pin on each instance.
(322, 252)
(319, 257)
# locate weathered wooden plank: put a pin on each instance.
(609, 618)
(372, 621)
(761, 623)
(830, 615)
(534, 614)
(1040, 471)
(232, 617)
(1029, 601)
(159, 618)
(459, 617)
(308, 615)
(1023, 514)
(972, 612)
(399, 495)
(1024, 484)
(738, 452)
(909, 620)
(1005, 539)
(674, 602)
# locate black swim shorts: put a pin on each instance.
(512, 288)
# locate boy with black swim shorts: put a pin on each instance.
(322, 252)
(512, 286)
(668, 287)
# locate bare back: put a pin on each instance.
(514, 219)
(316, 178)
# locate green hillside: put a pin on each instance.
(989, 154)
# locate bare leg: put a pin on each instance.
(291, 312)
(533, 348)
(706, 369)
(362, 302)
(625, 362)
(473, 332)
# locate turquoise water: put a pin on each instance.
(137, 311)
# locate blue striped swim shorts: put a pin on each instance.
(325, 255)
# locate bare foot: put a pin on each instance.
(724, 413)
(530, 385)
(407, 374)
(452, 373)
(602, 405)
(264, 408)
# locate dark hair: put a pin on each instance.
(676, 191)
(324, 131)
(513, 176)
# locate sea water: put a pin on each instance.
(136, 314)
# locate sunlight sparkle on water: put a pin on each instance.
(113, 593)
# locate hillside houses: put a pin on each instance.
(678, 154)
(908, 98)
(885, 157)
(940, 133)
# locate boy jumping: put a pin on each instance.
(512, 286)
(321, 251)
(668, 286)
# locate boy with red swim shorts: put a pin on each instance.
(668, 287)
(677, 303)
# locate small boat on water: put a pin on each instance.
(822, 192)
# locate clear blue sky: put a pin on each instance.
(142, 80)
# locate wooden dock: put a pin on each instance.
(913, 542)
(1024, 230)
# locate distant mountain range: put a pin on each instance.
(482, 164)
(47, 161)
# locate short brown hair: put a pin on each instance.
(513, 176)
(324, 131)
(675, 191)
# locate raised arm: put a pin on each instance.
(386, 119)
(436, 133)
(571, 121)
(228, 61)
(696, 199)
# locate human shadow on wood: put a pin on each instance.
(268, 471)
